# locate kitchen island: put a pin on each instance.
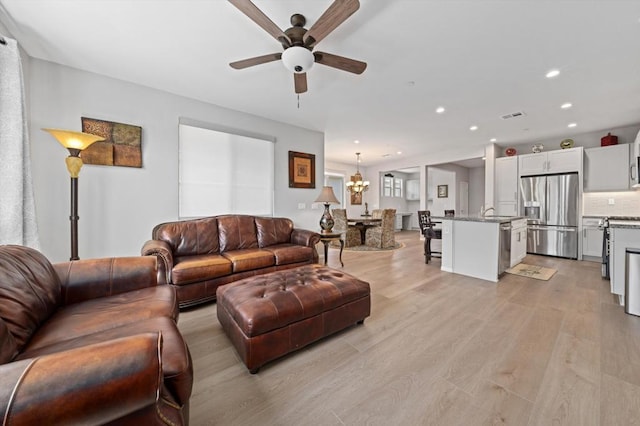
(624, 234)
(478, 246)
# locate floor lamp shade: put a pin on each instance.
(327, 197)
(75, 142)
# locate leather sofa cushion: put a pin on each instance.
(267, 302)
(286, 254)
(272, 231)
(8, 346)
(190, 269)
(30, 291)
(99, 315)
(237, 232)
(175, 357)
(190, 237)
(248, 260)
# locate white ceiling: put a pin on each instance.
(480, 59)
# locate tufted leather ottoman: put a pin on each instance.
(268, 316)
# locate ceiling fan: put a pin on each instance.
(298, 42)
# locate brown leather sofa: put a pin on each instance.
(199, 255)
(89, 342)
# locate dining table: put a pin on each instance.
(362, 224)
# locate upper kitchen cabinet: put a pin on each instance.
(559, 161)
(413, 189)
(506, 178)
(609, 168)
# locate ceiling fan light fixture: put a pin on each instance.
(298, 59)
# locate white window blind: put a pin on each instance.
(224, 173)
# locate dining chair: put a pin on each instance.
(376, 214)
(383, 236)
(351, 234)
(430, 232)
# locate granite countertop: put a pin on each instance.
(633, 223)
(477, 218)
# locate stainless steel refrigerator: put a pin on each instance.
(550, 204)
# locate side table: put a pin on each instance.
(326, 238)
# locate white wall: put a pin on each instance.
(119, 206)
(420, 161)
(476, 189)
(346, 171)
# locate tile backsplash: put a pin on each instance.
(600, 203)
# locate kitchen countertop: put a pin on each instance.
(624, 223)
(476, 218)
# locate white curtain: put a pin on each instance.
(17, 207)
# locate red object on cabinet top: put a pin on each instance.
(609, 140)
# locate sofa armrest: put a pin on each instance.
(307, 238)
(304, 237)
(162, 251)
(94, 384)
(92, 278)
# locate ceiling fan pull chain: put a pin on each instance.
(298, 100)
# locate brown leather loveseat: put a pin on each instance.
(199, 255)
(89, 342)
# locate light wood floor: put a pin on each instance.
(440, 349)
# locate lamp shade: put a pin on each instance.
(298, 59)
(74, 140)
(327, 196)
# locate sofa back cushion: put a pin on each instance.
(30, 292)
(9, 347)
(190, 237)
(273, 230)
(237, 232)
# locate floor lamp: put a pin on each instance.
(75, 142)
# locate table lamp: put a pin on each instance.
(75, 142)
(327, 197)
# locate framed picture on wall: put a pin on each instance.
(443, 191)
(302, 170)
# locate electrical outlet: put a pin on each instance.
(315, 206)
(612, 201)
(302, 206)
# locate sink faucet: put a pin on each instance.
(484, 212)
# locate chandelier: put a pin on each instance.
(357, 184)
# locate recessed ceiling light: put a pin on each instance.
(356, 141)
(440, 110)
(399, 152)
(572, 125)
(493, 140)
(473, 128)
(553, 73)
(566, 105)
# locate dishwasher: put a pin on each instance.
(504, 260)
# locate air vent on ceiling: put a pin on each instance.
(513, 115)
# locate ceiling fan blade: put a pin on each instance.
(335, 15)
(300, 82)
(340, 62)
(246, 63)
(257, 16)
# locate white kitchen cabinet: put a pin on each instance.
(621, 239)
(398, 222)
(506, 182)
(559, 161)
(591, 240)
(518, 241)
(609, 168)
(413, 189)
